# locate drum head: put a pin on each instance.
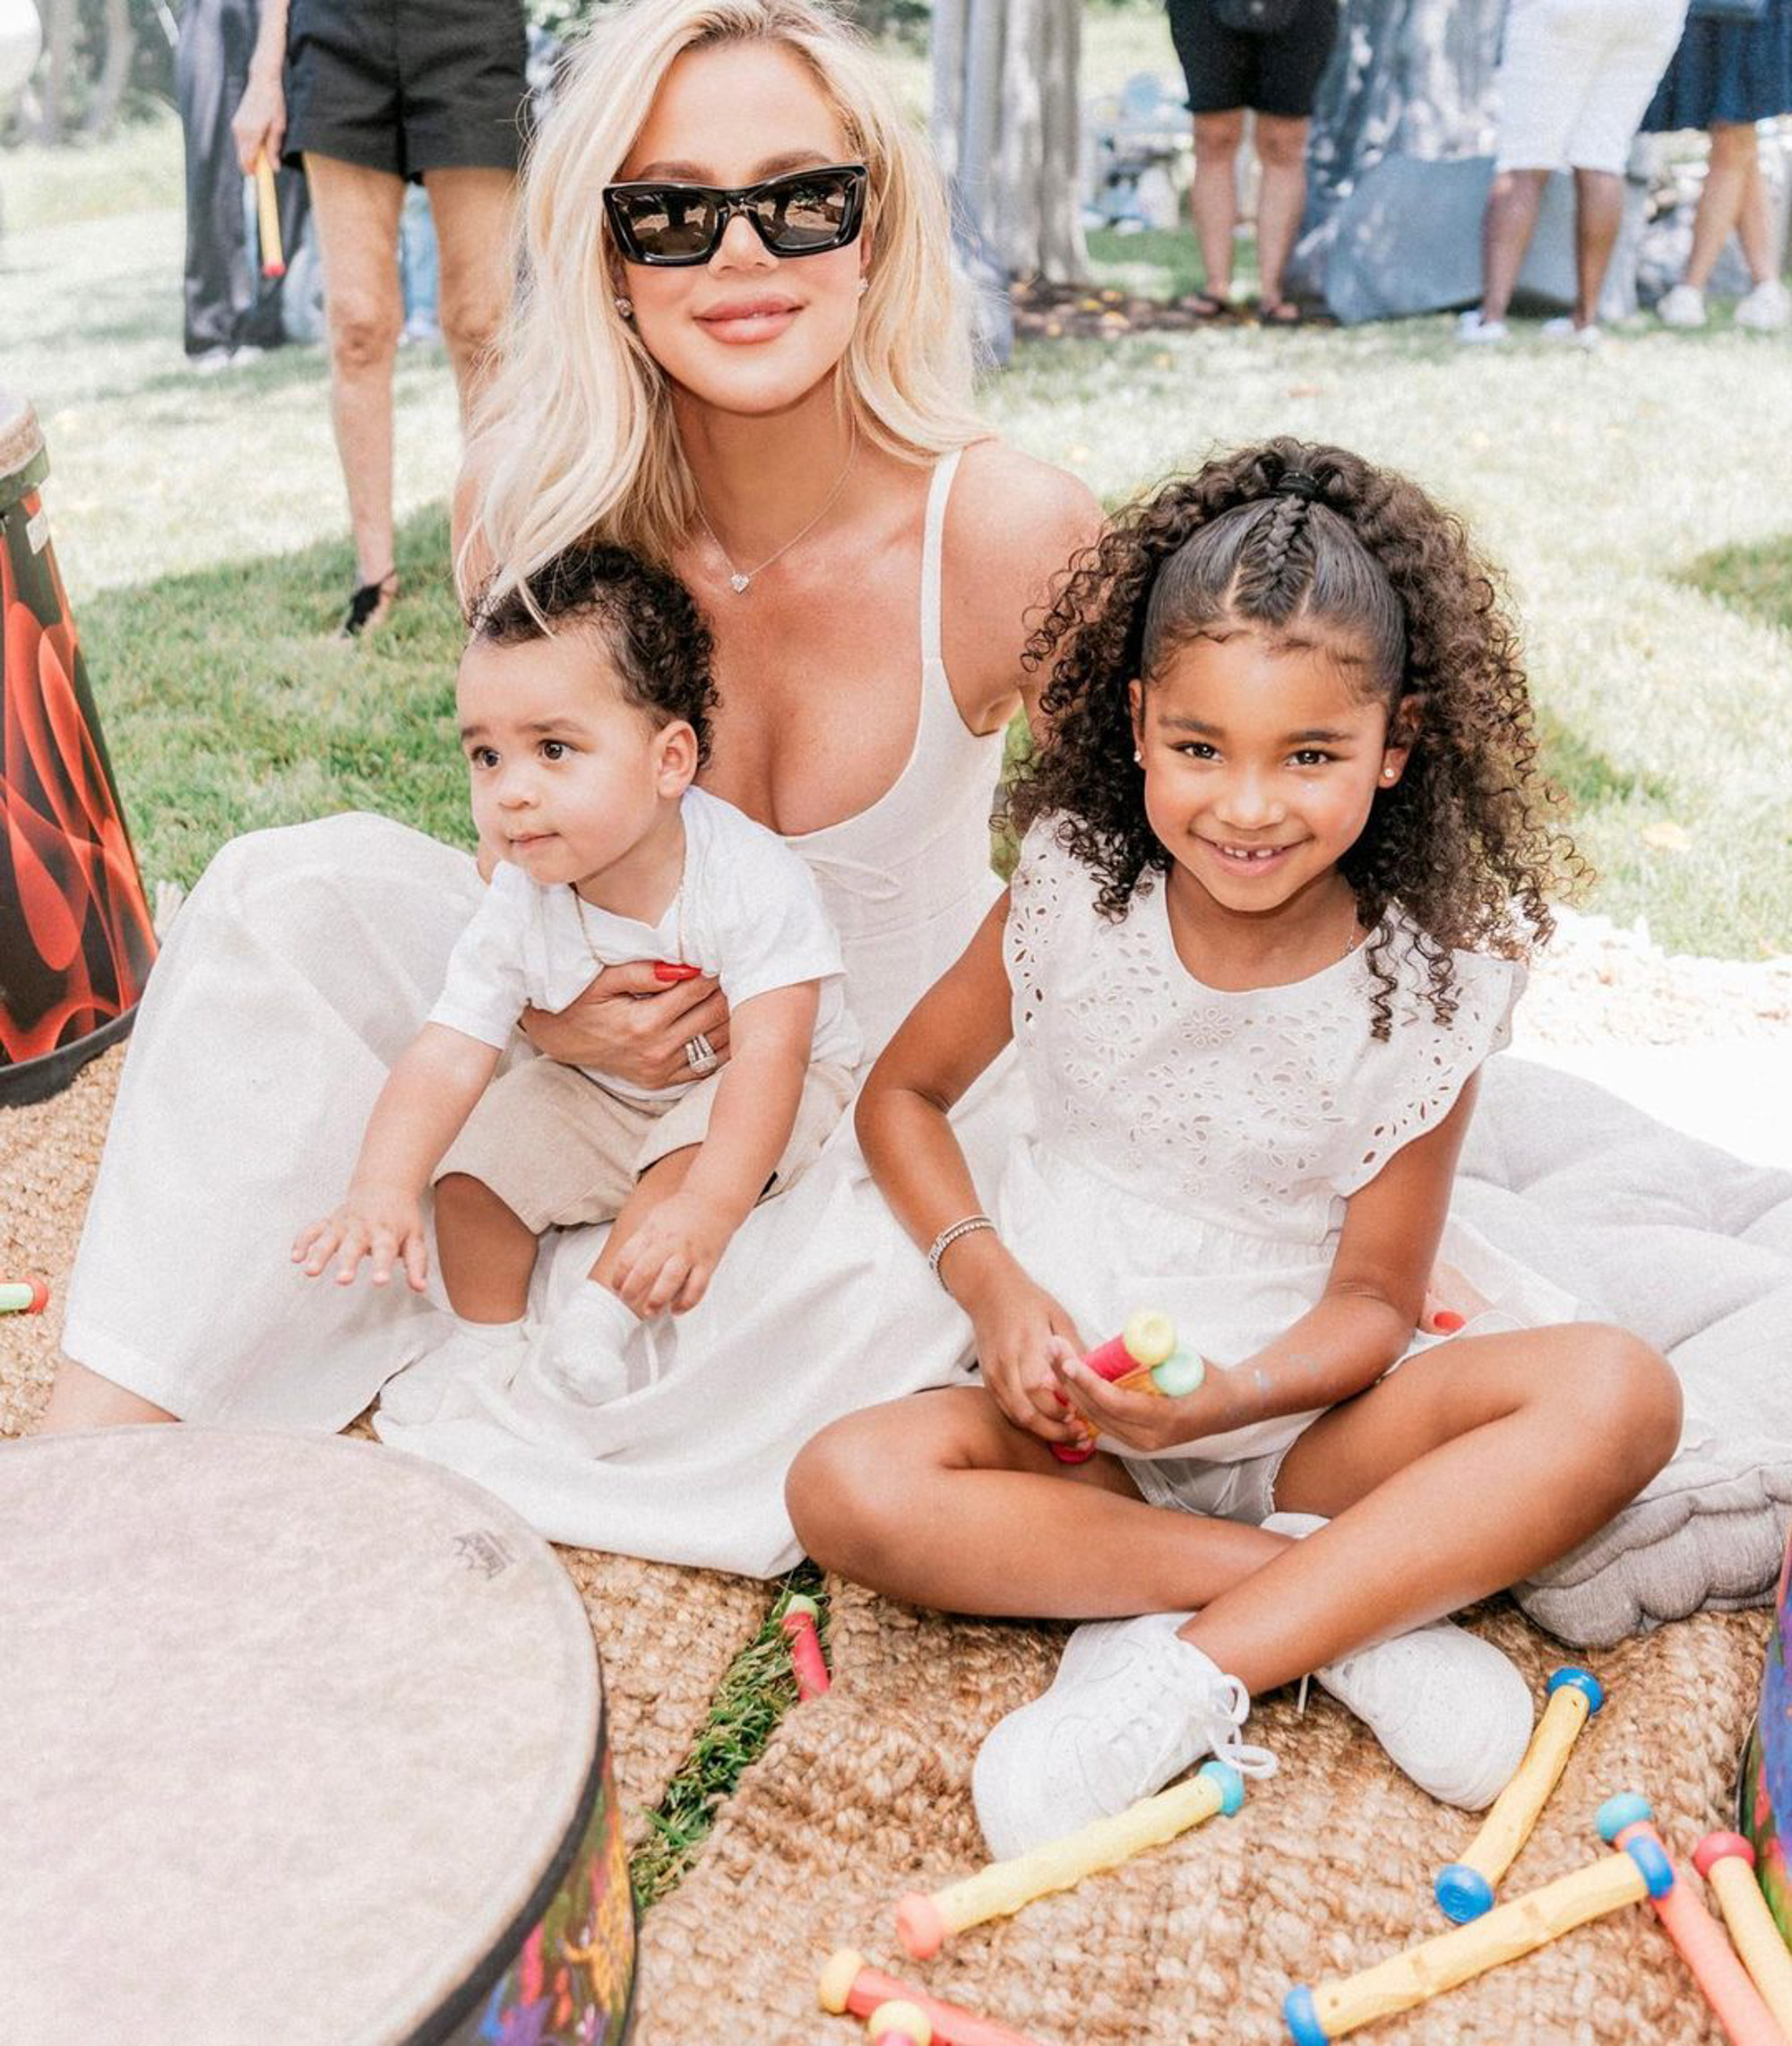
(300, 1729)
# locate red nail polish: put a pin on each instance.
(1446, 1321)
(671, 970)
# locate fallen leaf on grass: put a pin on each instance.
(1667, 837)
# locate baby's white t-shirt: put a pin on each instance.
(747, 910)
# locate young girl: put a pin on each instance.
(1283, 853)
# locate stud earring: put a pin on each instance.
(864, 285)
(1138, 758)
(1387, 774)
(626, 307)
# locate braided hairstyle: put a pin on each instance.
(1287, 536)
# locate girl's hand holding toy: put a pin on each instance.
(1143, 1358)
(1153, 1418)
(384, 1224)
(1021, 1333)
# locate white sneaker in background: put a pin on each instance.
(1682, 306)
(1449, 1710)
(1131, 1707)
(1766, 309)
(1474, 332)
(1564, 330)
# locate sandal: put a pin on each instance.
(1205, 306)
(370, 605)
(1279, 312)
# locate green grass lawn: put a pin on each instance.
(1636, 498)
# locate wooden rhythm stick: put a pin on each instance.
(798, 1626)
(925, 1923)
(1735, 2002)
(1315, 2015)
(1465, 1889)
(1726, 1862)
(267, 219)
(899, 2024)
(1143, 1358)
(23, 1296)
(848, 1984)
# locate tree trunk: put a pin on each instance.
(1007, 126)
(58, 20)
(115, 74)
(1414, 76)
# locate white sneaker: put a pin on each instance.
(1766, 309)
(1474, 332)
(438, 1386)
(1682, 306)
(1132, 1706)
(1449, 1710)
(1563, 330)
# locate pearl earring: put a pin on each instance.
(1138, 758)
(625, 306)
(1387, 774)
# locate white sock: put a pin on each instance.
(491, 1333)
(594, 1310)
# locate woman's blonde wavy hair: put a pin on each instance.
(573, 437)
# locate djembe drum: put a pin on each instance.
(1764, 1801)
(76, 936)
(305, 1745)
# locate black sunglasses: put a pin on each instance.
(804, 212)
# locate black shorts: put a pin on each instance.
(1270, 74)
(407, 86)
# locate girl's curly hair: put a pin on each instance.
(644, 620)
(1286, 531)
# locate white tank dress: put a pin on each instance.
(303, 961)
(1193, 1149)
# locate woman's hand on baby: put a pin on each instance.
(630, 1022)
(1144, 1420)
(670, 1258)
(384, 1224)
(1021, 1331)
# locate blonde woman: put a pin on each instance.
(716, 363)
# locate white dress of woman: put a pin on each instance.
(303, 961)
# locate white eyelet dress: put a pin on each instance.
(1193, 1149)
(299, 969)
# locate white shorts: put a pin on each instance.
(1576, 77)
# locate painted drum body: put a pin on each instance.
(75, 935)
(1764, 1801)
(309, 1747)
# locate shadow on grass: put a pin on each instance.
(227, 705)
(1756, 578)
(1588, 778)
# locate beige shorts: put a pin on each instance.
(559, 1149)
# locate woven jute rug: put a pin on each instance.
(667, 1636)
(864, 1793)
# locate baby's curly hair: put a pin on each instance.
(644, 620)
(1286, 532)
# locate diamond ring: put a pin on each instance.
(699, 1055)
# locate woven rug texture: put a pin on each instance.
(667, 1636)
(864, 1794)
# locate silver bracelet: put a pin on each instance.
(944, 1240)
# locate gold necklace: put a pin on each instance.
(739, 579)
(598, 960)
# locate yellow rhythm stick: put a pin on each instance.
(267, 219)
(899, 2024)
(1726, 1862)
(925, 1923)
(1315, 2015)
(1465, 1889)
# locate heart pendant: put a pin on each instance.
(739, 583)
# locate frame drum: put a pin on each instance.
(308, 1745)
(76, 936)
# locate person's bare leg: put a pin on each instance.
(81, 1398)
(1754, 220)
(1513, 201)
(1735, 154)
(473, 210)
(1469, 1468)
(1020, 1535)
(1214, 199)
(486, 1251)
(357, 211)
(1599, 209)
(1281, 198)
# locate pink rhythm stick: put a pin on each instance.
(798, 1624)
(1143, 1358)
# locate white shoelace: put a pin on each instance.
(1230, 1715)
